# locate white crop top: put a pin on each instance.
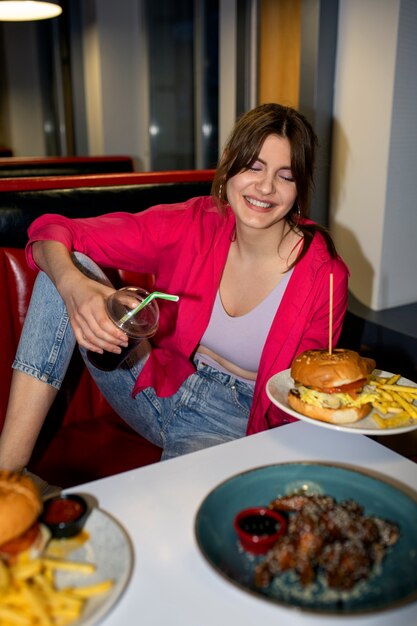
(241, 339)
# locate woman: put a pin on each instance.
(252, 273)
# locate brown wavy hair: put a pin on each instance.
(242, 150)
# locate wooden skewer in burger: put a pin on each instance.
(330, 384)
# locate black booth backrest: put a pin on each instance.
(64, 166)
(18, 209)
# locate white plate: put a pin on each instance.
(277, 389)
(110, 549)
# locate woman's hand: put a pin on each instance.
(85, 302)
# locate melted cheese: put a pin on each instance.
(334, 400)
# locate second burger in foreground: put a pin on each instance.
(331, 386)
(20, 507)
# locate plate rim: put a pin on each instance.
(346, 428)
(404, 489)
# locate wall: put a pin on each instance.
(398, 270)
(25, 122)
(372, 207)
(115, 70)
(279, 51)
(319, 27)
(109, 83)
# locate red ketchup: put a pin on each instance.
(64, 510)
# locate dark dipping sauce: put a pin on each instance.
(259, 525)
(259, 528)
(63, 510)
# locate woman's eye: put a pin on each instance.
(286, 176)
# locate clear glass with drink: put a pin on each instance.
(138, 326)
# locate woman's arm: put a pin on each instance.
(84, 298)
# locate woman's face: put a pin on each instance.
(263, 194)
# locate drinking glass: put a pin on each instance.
(137, 327)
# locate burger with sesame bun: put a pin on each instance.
(331, 387)
(20, 507)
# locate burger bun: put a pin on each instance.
(20, 505)
(320, 369)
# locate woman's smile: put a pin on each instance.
(258, 204)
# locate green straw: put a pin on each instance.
(147, 300)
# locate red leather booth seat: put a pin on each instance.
(82, 439)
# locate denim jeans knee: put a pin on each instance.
(47, 340)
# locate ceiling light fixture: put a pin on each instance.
(28, 10)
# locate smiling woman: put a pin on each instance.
(252, 275)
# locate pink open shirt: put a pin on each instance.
(185, 246)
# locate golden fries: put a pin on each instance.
(395, 403)
(69, 566)
(29, 596)
(91, 590)
(4, 577)
(391, 422)
(400, 388)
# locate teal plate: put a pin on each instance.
(392, 584)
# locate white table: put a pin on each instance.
(172, 584)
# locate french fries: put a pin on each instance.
(395, 403)
(30, 597)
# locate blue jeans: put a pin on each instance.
(209, 408)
